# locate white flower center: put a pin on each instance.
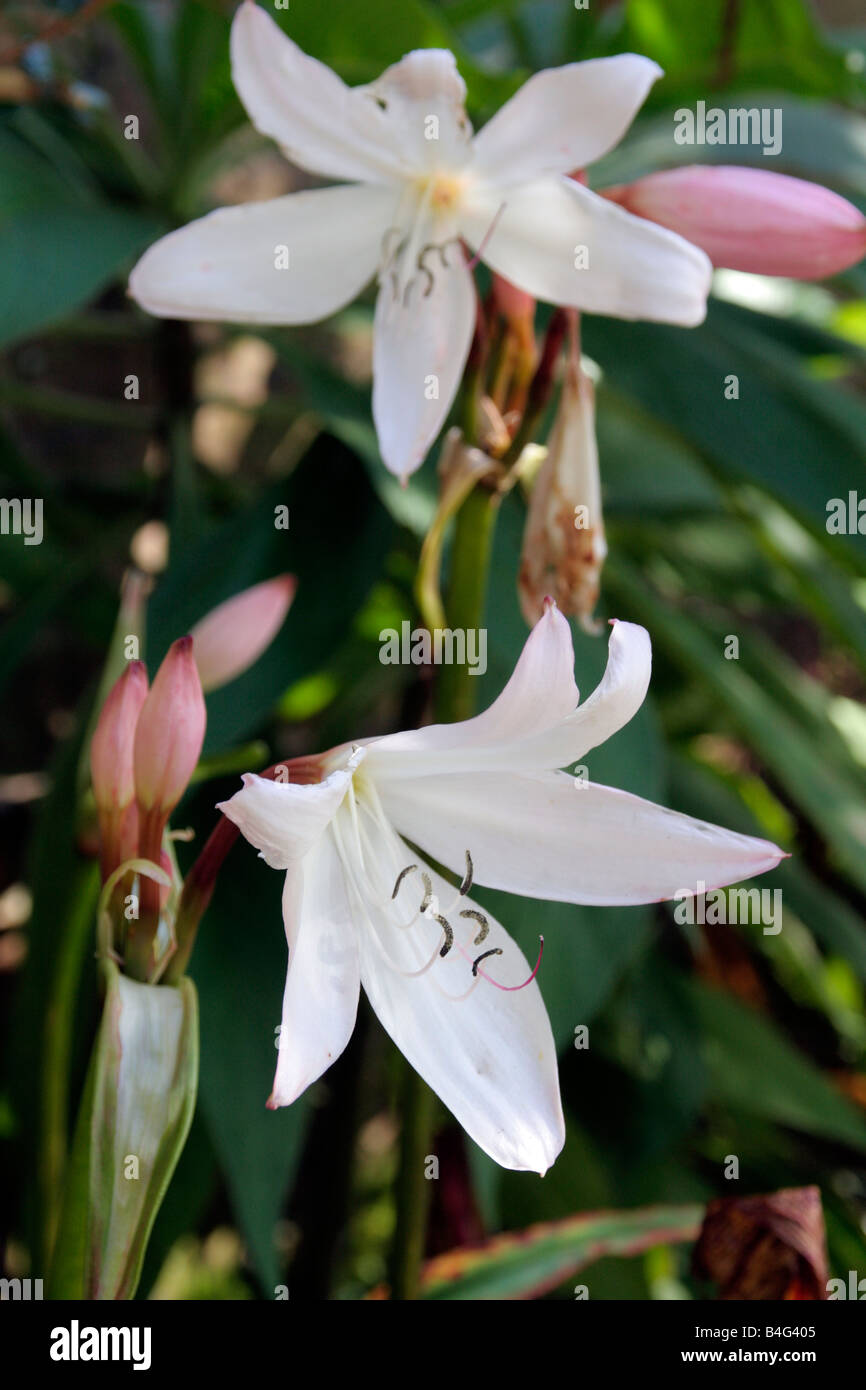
(395, 905)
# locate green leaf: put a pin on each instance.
(717, 45)
(831, 920)
(528, 1263)
(54, 259)
(804, 444)
(755, 1069)
(826, 791)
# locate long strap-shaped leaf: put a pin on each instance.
(526, 1264)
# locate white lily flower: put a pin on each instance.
(417, 186)
(482, 796)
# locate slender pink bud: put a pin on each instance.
(235, 633)
(752, 219)
(170, 733)
(111, 766)
(514, 304)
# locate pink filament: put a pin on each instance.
(486, 238)
(510, 988)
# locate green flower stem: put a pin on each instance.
(455, 699)
(467, 593)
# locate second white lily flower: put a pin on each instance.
(418, 185)
(445, 979)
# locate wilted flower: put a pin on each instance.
(767, 1247)
(485, 799)
(418, 184)
(563, 543)
(752, 219)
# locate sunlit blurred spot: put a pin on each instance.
(352, 353)
(849, 718)
(148, 548)
(155, 461)
(309, 696)
(22, 787)
(261, 175)
(238, 375)
(207, 1270)
(771, 294)
(849, 321)
(13, 950)
(16, 904)
(16, 86)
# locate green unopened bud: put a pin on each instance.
(134, 1119)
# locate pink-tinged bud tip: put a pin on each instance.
(170, 731)
(234, 634)
(111, 748)
(752, 219)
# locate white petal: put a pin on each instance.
(421, 342)
(539, 696)
(548, 835)
(283, 820)
(564, 118)
(320, 1001)
(615, 700)
(558, 241)
(490, 1057)
(229, 265)
(423, 97)
(321, 124)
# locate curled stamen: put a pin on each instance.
(425, 251)
(494, 951)
(389, 253)
(425, 270)
(467, 877)
(509, 989)
(402, 874)
(374, 935)
(428, 892)
(449, 935)
(484, 927)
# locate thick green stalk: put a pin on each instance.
(455, 698)
(467, 593)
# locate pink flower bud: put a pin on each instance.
(111, 765)
(235, 633)
(512, 303)
(170, 732)
(752, 219)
